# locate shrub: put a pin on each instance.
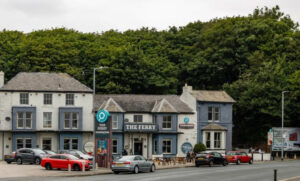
(199, 148)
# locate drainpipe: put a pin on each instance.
(3, 145)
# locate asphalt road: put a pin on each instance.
(243, 172)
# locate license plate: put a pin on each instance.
(119, 164)
(200, 158)
(229, 157)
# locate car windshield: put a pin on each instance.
(231, 153)
(73, 157)
(39, 151)
(50, 152)
(125, 158)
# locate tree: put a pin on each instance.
(199, 148)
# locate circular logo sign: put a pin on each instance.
(102, 116)
(186, 120)
(89, 147)
(186, 147)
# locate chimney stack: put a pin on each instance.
(1, 79)
(187, 88)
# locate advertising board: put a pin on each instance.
(290, 136)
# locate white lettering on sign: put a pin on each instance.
(140, 127)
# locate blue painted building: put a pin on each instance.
(214, 116)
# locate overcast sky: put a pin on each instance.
(102, 15)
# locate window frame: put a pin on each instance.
(166, 122)
(49, 122)
(114, 121)
(167, 145)
(24, 119)
(46, 138)
(217, 141)
(24, 100)
(213, 112)
(70, 99)
(208, 139)
(138, 118)
(48, 98)
(114, 146)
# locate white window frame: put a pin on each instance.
(208, 139)
(77, 120)
(23, 142)
(218, 141)
(46, 122)
(167, 140)
(24, 120)
(70, 120)
(48, 98)
(24, 98)
(70, 99)
(116, 146)
(167, 128)
(114, 121)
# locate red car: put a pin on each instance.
(61, 161)
(238, 157)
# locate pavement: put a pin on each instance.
(258, 172)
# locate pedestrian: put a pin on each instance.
(188, 157)
(124, 153)
(250, 150)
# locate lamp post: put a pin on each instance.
(94, 131)
(282, 122)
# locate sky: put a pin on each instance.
(121, 15)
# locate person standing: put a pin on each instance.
(188, 157)
(124, 153)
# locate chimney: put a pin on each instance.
(1, 79)
(187, 89)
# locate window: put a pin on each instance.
(138, 118)
(75, 144)
(24, 98)
(69, 99)
(166, 147)
(47, 123)
(67, 144)
(114, 121)
(217, 142)
(155, 146)
(207, 139)
(67, 119)
(114, 146)
(218, 154)
(213, 113)
(155, 119)
(75, 120)
(167, 122)
(70, 144)
(47, 98)
(24, 120)
(24, 143)
(46, 145)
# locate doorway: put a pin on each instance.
(138, 148)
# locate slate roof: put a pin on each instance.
(212, 96)
(141, 103)
(45, 82)
(214, 127)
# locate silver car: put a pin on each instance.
(132, 163)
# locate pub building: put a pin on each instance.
(149, 125)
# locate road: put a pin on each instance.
(244, 172)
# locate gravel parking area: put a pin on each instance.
(27, 170)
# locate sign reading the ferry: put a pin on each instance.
(134, 127)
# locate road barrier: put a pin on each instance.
(69, 167)
(275, 174)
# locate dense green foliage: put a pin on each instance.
(199, 148)
(253, 58)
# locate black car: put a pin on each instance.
(29, 155)
(210, 158)
(10, 158)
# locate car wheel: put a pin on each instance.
(238, 161)
(76, 167)
(211, 163)
(152, 169)
(19, 161)
(197, 165)
(37, 161)
(136, 170)
(115, 172)
(251, 161)
(48, 166)
(8, 162)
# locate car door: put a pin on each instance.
(30, 155)
(26, 155)
(218, 158)
(137, 161)
(63, 162)
(144, 163)
(245, 157)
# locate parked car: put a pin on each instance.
(49, 152)
(61, 161)
(210, 158)
(29, 155)
(10, 158)
(77, 153)
(133, 163)
(238, 157)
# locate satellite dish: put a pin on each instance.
(89, 147)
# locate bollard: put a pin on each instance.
(69, 167)
(275, 174)
(295, 156)
(83, 167)
(96, 166)
(262, 156)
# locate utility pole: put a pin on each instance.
(282, 124)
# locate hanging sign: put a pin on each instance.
(102, 116)
(102, 126)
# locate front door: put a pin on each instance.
(138, 148)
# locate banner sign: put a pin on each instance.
(290, 138)
(186, 126)
(144, 127)
(102, 147)
(186, 147)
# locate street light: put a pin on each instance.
(282, 122)
(94, 131)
